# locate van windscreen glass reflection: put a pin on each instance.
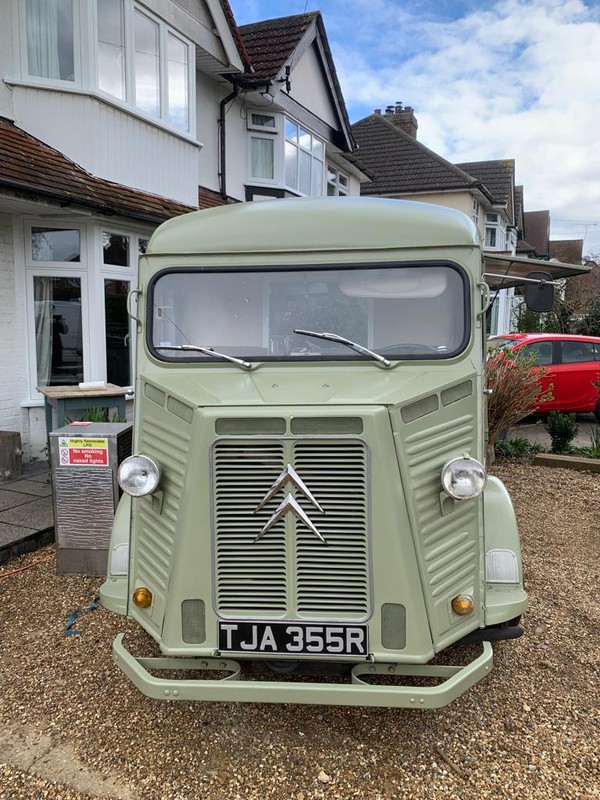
(399, 312)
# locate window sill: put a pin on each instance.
(107, 100)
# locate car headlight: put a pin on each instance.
(464, 478)
(138, 475)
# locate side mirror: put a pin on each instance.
(539, 296)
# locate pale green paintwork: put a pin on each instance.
(425, 550)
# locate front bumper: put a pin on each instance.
(356, 692)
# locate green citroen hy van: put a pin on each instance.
(308, 485)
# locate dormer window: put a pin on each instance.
(50, 40)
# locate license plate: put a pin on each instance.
(293, 638)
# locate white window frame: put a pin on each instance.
(129, 10)
(339, 189)
(493, 223)
(91, 271)
(277, 135)
(20, 13)
(86, 61)
(117, 273)
(56, 270)
(475, 211)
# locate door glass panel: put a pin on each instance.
(118, 359)
(576, 352)
(540, 353)
(58, 330)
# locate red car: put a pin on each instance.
(571, 364)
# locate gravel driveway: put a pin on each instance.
(71, 726)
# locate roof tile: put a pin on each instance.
(401, 164)
(30, 166)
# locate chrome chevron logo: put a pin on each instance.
(289, 502)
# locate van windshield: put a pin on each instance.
(401, 312)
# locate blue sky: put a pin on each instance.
(507, 79)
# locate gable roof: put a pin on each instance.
(499, 178)
(236, 35)
(31, 168)
(537, 230)
(274, 45)
(402, 165)
(271, 43)
(568, 250)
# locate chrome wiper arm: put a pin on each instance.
(209, 351)
(334, 337)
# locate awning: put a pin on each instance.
(503, 271)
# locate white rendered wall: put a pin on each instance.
(110, 143)
(310, 89)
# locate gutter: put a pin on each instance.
(66, 201)
(222, 141)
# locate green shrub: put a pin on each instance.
(515, 384)
(516, 448)
(595, 442)
(562, 429)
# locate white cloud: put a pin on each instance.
(519, 79)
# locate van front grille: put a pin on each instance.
(289, 571)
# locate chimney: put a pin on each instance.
(403, 118)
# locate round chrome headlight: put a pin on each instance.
(138, 475)
(464, 478)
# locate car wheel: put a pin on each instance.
(597, 411)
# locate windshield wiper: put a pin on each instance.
(209, 351)
(334, 337)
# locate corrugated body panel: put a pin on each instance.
(166, 439)
(448, 543)
(289, 571)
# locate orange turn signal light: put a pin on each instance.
(142, 597)
(462, 605)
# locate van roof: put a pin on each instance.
(308, 224)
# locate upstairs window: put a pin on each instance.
(304, 155)
(50, 51)
(143, 62)
(494, 235)
(293, 157)
(337, 183)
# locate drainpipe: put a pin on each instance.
(222, 137)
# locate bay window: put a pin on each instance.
(139, 60)
(143, 62)
(283, 153)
